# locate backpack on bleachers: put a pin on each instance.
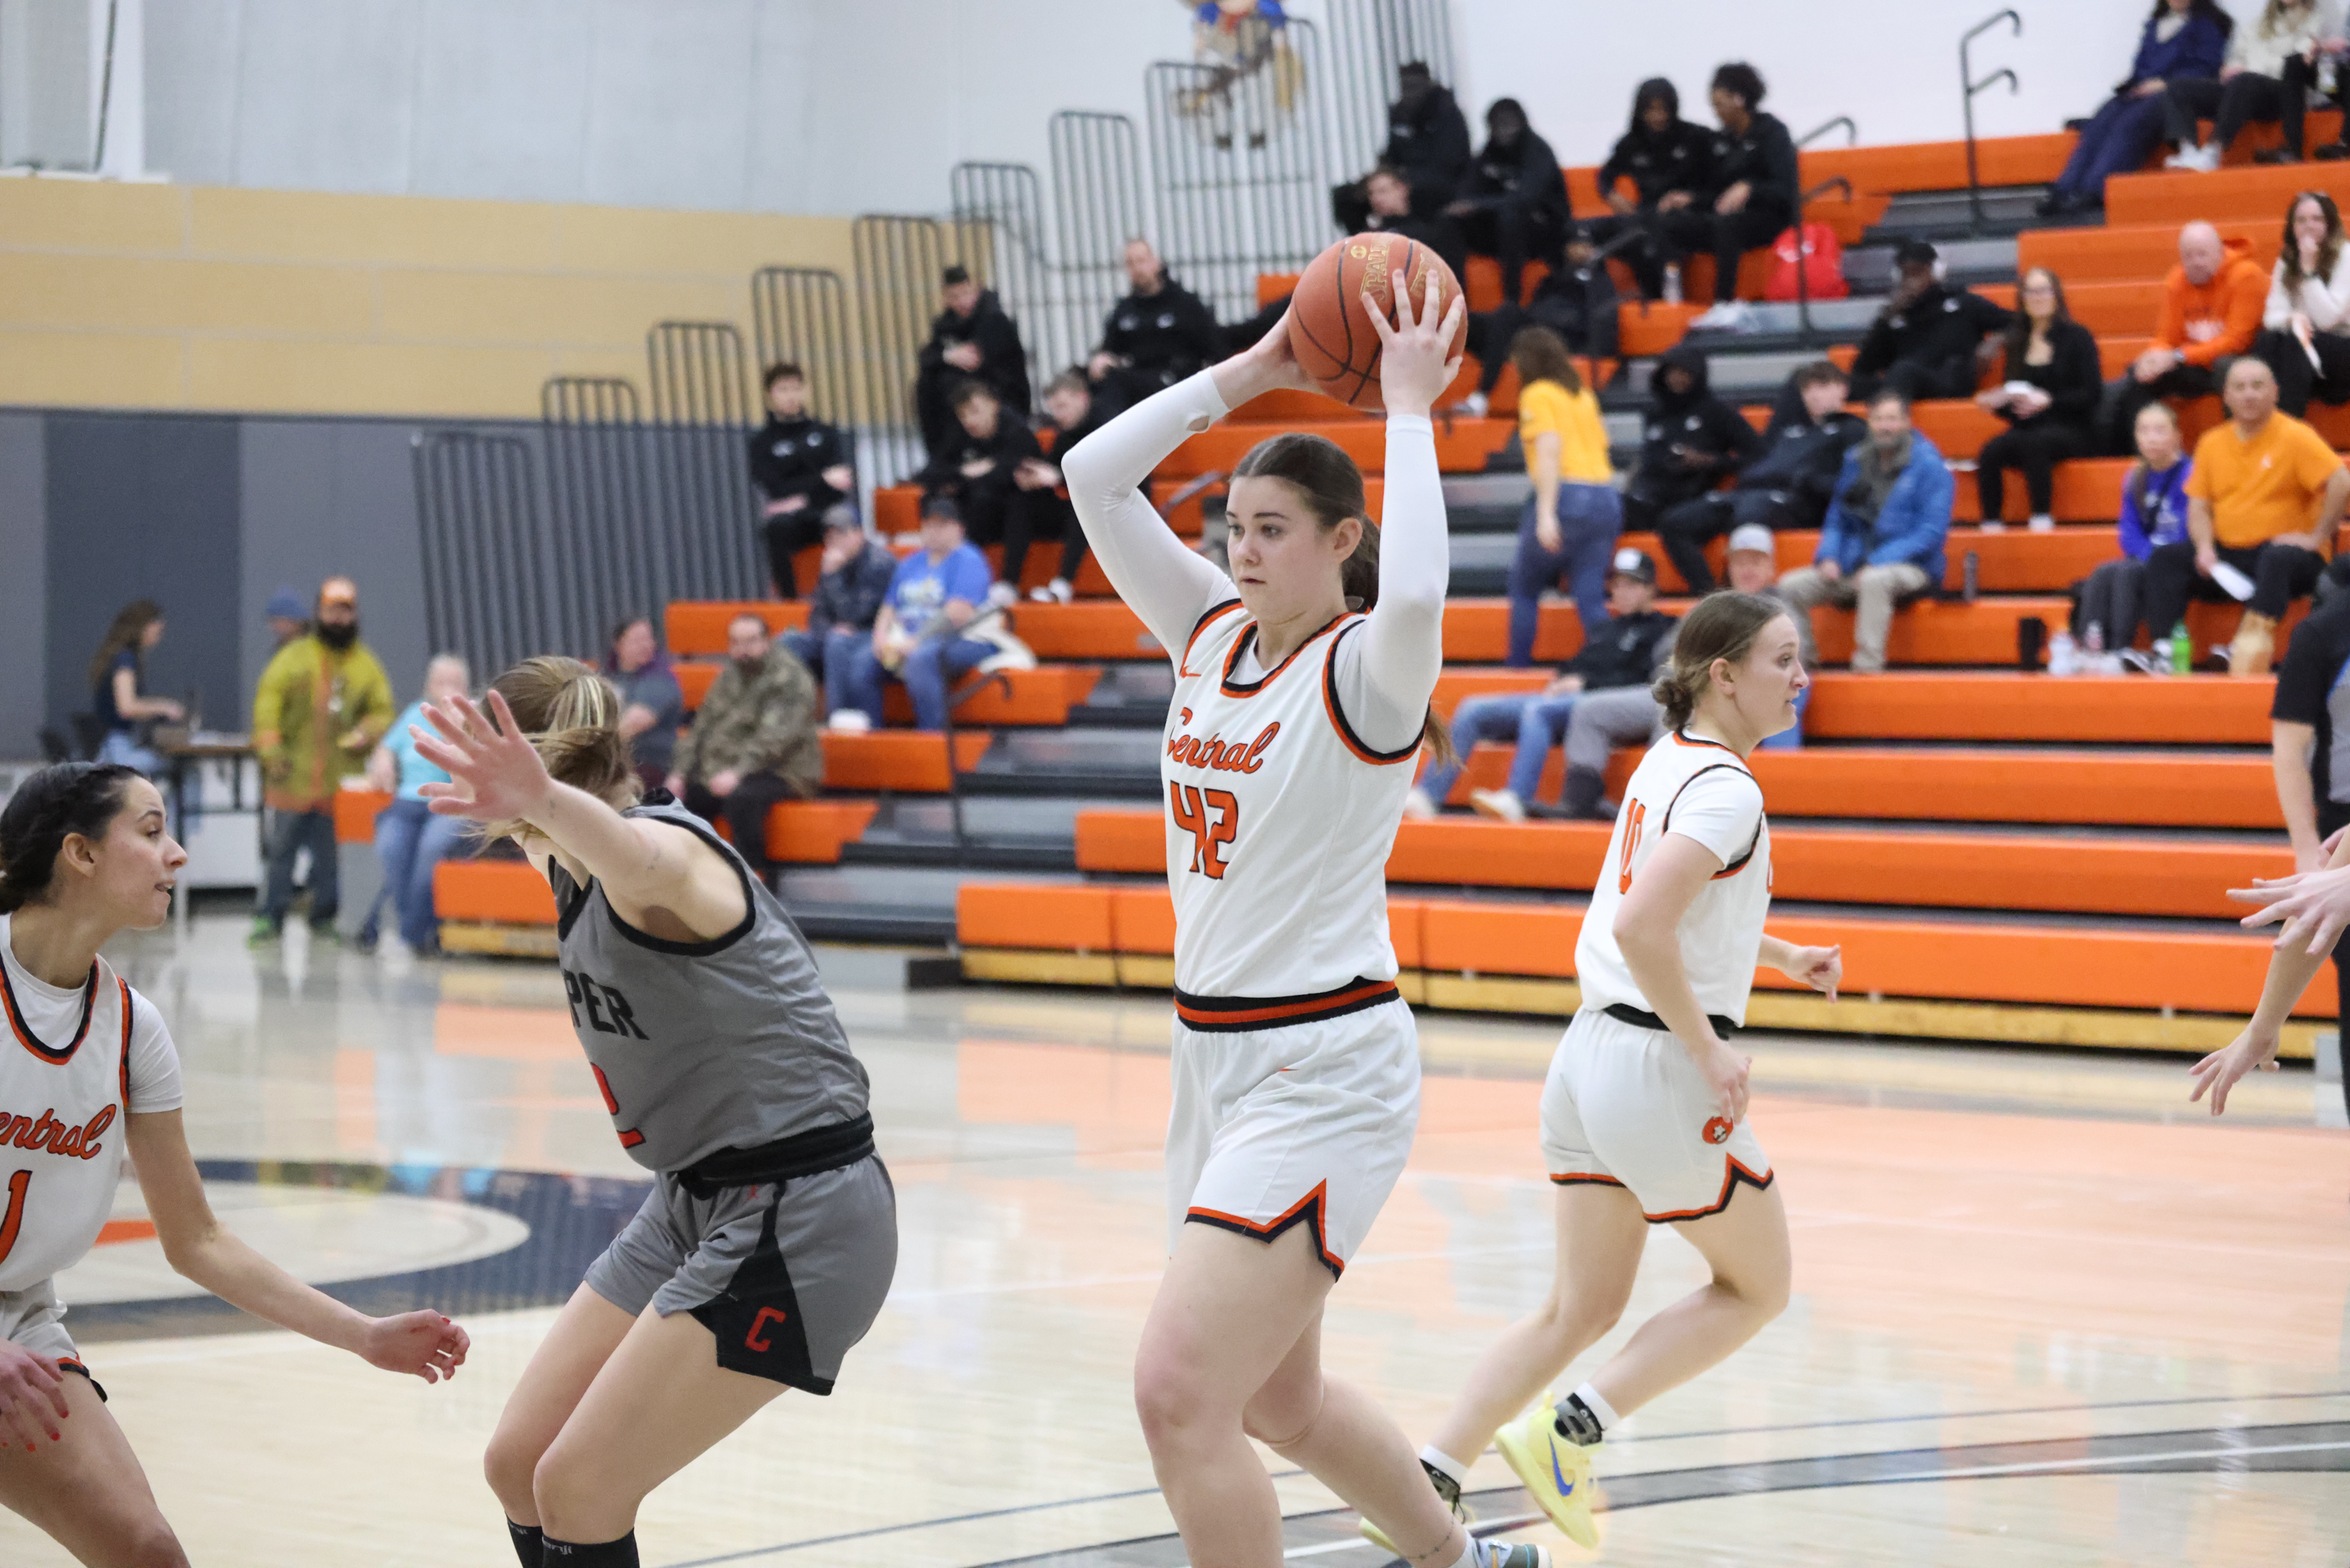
(1823, 264)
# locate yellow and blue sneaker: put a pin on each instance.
(1557, 1472)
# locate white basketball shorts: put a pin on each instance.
(1625, 1106)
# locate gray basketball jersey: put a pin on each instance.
(702, 1046)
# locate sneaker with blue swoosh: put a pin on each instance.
(1556, 1471)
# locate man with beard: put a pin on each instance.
(753, 742)
(323, 703)
(1159, 334)
(971, 340)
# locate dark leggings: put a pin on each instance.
(2036, 448)
(2280, 574)
(1727, 235)
(1048, 516)
(2297, 380)
(788, 533)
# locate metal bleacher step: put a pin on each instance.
(1950, 215)
(898, 904)
(1128, 696)
(1019, 833)
(1122, 764)
(1869, 267)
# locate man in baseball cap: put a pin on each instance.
(1752, 559)
(1925, 341)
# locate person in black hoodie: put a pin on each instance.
(1072, 415)
(1577, 301)
(991, 476)
(972, 340)
(1394, 209)
(1789, 482)
(1690, 441)
(1159, 334)
(1929, 339)
(1752, 196)
(1669, 161)
(803, 467)
(1515, 208)
(2048, 396)
(1427, 145)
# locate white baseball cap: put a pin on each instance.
(1752, 536)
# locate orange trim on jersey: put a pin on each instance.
(55, 1056)
(1214, 613)
(1234, 1013)
(1732, 1174)
(1580, 1178)
(1247, 635)
(1309, 1209)
(1346, 735)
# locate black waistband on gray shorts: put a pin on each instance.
(807, 1153)
(1638, 1019)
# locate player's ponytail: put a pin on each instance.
(1722, 629)
(571, 717)
(1332, 487)
(49, 807)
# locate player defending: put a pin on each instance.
(1644, 1113)
(83, 858)
(2311, 911)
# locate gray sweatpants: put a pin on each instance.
(1872, 593)
(1604, 720)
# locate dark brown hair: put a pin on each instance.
(571, 717)
(2019, 331)
(1542, 355)
(1332, 488)
(1818, 373)
(128, 630)
(46, 809)
(1723, 626)
(2329, 249)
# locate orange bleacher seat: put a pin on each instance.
(696, 628)
(2135, 253)
(906, 762)
(2088, 490)
(2251, 193)
(2196, 710)
(1041, 696)
(1941, 166)
(1035, 915)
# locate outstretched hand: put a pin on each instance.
(420, 1344)
(495, 774)
(2217, 1073)
(2312, 907)
(1415, 362)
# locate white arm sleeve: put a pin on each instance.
(155, 1065)
(1157, 575)
(1387, 671)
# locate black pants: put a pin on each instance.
(2117, 416)
(1726, 236)
(1003, 513)
(1645, 256)
(2036, 448)
(1513, 233)
(932, 411)
(2108, 600)
(1688, 528)
(1048, 515)
(2280, 574)
(788, 533)
(2235, 103)
(1920, 378)
(2297, 380)
(745, 812)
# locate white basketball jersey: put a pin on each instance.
(1280, 820)
(63, 1104)
(1702, 790)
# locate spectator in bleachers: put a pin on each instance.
(1070, 418)
(849, 592)
(802, 468)
(1394, 207)
(753, 743)
(286, 617)
(2263, 501)
(2211, 307)
(1159, 334)
(1787, 484)
(1624, 652)
(2181, 40)
(2270, 68)
(989, 476)
(2048, 392)
(1929, 340)
(971, 340)
(117, 673)
(1577, 301)
(918, 636)
(1751, 565)
(1753, 195)
(1882, 541)
(409, 839)
(1569, 528)
(322, 704)
(1427, 148)
(1690, 442)
(2305, 336)
(1669, 161)
(1514, 207)
(2154, 513)
(652, 704)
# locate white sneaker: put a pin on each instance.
(1476, 403)
(1418, 807)
(1002, 595)
(1992, 525)
(1729, 316)
(1499, 804)
(2205, 158)
(2042, 523)
(1060, 590)
(2186, 160)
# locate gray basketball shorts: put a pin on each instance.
(787, 1276)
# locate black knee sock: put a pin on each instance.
(529, 1543)
(595, 1554)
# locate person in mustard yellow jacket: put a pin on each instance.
(323, 703)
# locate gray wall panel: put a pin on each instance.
(24, 620)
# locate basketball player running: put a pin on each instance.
(92, 1075)
(769, 1239)
(1644, 1113)
(1288, 752)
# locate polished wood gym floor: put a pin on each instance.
(2046, 1312)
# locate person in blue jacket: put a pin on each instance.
(2183, 39)
(1881, 543)
(2154, 511)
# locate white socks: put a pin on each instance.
(1445, 1465)
(1598, 1406)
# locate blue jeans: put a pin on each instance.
(2119, 138)
(291, 832)
(409, 842)
(1476, 719)
(1542, 724)
(1791, 739)
(122, 747)
(929, 669)
(1590, 518)
(834, 659)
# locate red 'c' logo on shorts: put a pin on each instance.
(1718, 1129)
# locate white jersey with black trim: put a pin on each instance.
(77, 1062)
(1703, 790)
(1280, 819)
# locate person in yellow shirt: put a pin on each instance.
(2263, 502)
(1574, 515)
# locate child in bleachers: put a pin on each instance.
(2154, 512)
(1072, 416)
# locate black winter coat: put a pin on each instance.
(852, 597)
(1168, 336)
(1528, 172)
(1428, 143)
(1764, 158)
(1801, 458)
(1679, 160)
(788, 458)
(1939, 327)
(1692, 440)
(1623, 653)
(1003, 362)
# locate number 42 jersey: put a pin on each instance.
(1280, 819)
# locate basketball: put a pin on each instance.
(1332, 338)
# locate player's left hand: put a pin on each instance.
(2313, 907)
(420, 1344)
(1821, 968)
(495, 772)
(2218, 1072)
(1414, 367)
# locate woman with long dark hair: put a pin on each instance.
(2048, 395)
(2270, 68)
(117, 674)
(2305, 327)
(2182, 40)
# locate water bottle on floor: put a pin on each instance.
(2182, 651)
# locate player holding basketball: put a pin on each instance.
(1296, 1070)
(1644, 1113)
(92, 1075)
(769, 1239)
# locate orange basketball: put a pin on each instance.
(1333, 341)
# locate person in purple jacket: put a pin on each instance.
(2154, 511)
(2183, 39)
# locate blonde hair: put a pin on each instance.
(571, 717)
(1723, 626)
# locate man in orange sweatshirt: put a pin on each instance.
(2211, 305)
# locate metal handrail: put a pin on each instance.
(1804, 332)
(1851, 132)
(1969, 88)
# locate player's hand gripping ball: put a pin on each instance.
(1334, 342)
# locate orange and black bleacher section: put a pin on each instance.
(2001, 855)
